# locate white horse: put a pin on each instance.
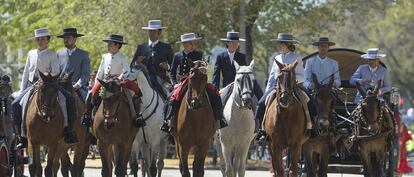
(238, 111)
(150, 140)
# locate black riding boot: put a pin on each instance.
(69, 134)
(170, 113)
(138, 120)
(22, 142)
(217, 107)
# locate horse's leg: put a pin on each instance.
(35, 167)
(227, 154)
(380, 161)
(105, 159)
(133, 161)
(65, 161)
(277, 161)
(310, 162)
(294, 160)
(183, 155)
(366, 161)
(243, 152)
(121, 158)
(323, 164)
(146, 156)
(199, 159)
(49, 163)
(161, 155)
(220, 154)
(81, 153)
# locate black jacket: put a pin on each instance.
(180, 64)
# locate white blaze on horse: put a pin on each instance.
(239, 113)
(150, 140)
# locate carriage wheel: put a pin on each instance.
(19, 161)
(5, 168)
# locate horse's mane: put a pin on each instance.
(143, 68)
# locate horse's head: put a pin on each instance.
(5, 86)
(111, 94)
(66, 82)
(370, 107)
(48, 90)
(140, 74)
(286, 82)
(197, 84)
(324, 100)
(243, 85)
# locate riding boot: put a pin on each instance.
(216, 105)
(138, 120)
(22, 142)
(169, 119)
(68, 132)
(87, 115)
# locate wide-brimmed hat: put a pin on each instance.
(188, 37)
(323, 40)
(41, 32)
(154, 25)
(372, 53)
(285, 37)
(115, 38)
(70, 32)
(232, 36)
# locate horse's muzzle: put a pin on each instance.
(323, 122)
(246, 101)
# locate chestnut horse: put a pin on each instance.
(113, 127)
(285, 120)
(44, 125)
(195, 118)
(82, 148)
(319, 147)
(373, 127)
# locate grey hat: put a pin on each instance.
(41, 32)
(188, 37)
(232, 36)
(285, 37)
(154, 25)
(372, 53)
(115, 38)
(323, 40)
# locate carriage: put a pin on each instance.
(12, 159)
(348, 161)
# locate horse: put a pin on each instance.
(373, 127)
(113, 128)
(6, 121)
(285, 120)
(195, 121)
(150, 139)
(318, 148)
(238, 111)
(44, 125)
(81, 149)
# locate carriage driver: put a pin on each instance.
(46, 61)
(323, 67)
(113, 64)
(181, 62)
(369, 74)
(285, 45)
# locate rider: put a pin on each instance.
(285, 45)
(45, 61)
(323, 67)
(369, 74)
(5, 91)
(181, 63)
(155, 55)
(225, 65)
(75, 60)
(113, 63)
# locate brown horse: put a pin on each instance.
(195, 118)
(44, 124)
(373, 126)
(318, 148)
(81, 149)
(113, 127)
(285, 120)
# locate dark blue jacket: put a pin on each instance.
(180, 64)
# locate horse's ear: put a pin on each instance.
(315, 81)
(251, 64)
(331, 81)
(361, 90)
(43, 77)
(280, 65)
(236, 65)
(377, 87)
(295, 63)
(191, 63)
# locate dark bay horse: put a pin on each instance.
(114, 129)
(81, 149)
(285, 121)
(195, 118)
(373, 126)
(44, 124)
(319, 147)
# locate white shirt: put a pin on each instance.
(231, 56)
(373, 69)
(113, 65)
(46, 61)
(70, 51)
(152, 44)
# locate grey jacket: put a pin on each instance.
(78, 63)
